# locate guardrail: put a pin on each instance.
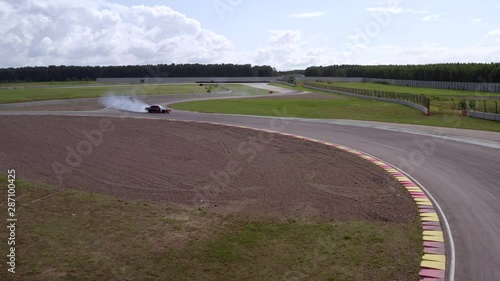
(483, 105)
(419, 102)
(461, 86)
(481, 109)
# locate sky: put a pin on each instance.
(284, 34)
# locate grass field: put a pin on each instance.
(239, 88)
(25, 94)
(43, 84)
(429, 92)
(92, 91)
(346, 108)
(440, 99)
(64, 234)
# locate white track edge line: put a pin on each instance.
(451, 276)
(451, 242)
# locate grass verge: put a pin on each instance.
(92, 91)
(49, 83)
(239, 88)
(72, 235)
(348, 108)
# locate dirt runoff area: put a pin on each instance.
(221, 169)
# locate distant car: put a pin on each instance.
(157, 109)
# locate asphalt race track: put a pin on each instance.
(460, 169)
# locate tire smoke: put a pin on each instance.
(127, 103)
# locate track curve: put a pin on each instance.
(460, 168)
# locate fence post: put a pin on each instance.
(484, 105)
(428, 105)
(496, 107)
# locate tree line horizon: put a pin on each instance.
(448, 72)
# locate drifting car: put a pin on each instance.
(157, 109)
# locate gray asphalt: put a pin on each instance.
(460, 168)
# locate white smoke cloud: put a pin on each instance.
(127, 103)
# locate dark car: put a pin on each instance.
(157, 109)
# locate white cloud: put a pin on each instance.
(54, 32)
(307, 15)
(423, 54)
(45, 32)
(287, 50)
(427, 11)
(394, 7)
(475, 21)
(430, 18)
(392, 10)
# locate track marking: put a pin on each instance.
(433, 264)
(451, 243)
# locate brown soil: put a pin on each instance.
(223, 169)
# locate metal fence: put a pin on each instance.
(482, 109)
(419, 102)
(486, 106)
(462, 86)
(483, 105)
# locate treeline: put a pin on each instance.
(85, 73)
(290, 72)
(450, 72)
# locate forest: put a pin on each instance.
(90, 73)
(449, 72)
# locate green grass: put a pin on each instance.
(349, 108)
(245, 89)
(42, 84)
(63, 234)
(329, 251)
(25, 94)
(35, 94)
(429, 92)
(480, 105)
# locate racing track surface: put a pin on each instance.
(460, 168)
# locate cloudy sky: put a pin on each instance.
(283, 34)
